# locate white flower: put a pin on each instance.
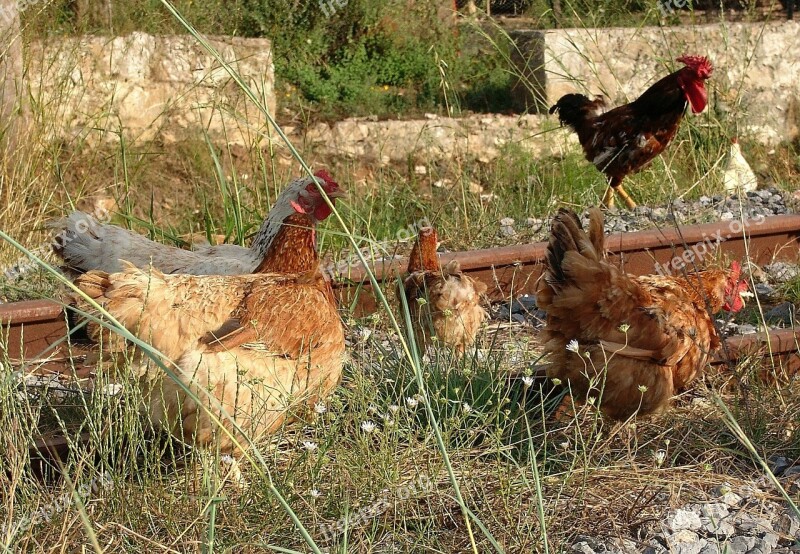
(421, 301)
(411, 402)
(527, 380)
(565, 445)
(556, 381)
(311, 446)
(368, 426)
(315, 493)
(320, 408)
(394, 408)
(572, 346)
(660, 456)
(624, 328)
(643, 388)
(466, 407)
(227, 459)
(591, 400)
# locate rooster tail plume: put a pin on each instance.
(423, 254)
(567, 236)
(574, 109)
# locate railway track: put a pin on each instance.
(36, 330)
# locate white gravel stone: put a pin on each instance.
(686, 542)
(716, 519)
(683, 519)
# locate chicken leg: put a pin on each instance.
(626, 198)
(616, 186)
(608, 198)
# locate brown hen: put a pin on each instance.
(264, 346)
(623, 140)
(442, 301)
(630, 342)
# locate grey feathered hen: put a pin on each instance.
(86, 244)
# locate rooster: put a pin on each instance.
(442, 301)
(260, 348)
(738, 177)
(85, 244)
(623, 140)
(629, 342)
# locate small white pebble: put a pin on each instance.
(112, 389)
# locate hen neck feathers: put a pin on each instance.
(293, 248)
(282, 209)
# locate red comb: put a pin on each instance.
(325, 176)
(700, 64)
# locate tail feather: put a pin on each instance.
(85, 244)
(574, 109)
(568, 237)
(596, 234)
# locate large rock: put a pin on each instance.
(147, 87)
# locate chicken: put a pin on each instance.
(261, 347)
(442, 301)
(737, 177)
(85, 244)
(629, 342)
(623, 140)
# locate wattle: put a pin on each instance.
(696, 95)
(322, 211)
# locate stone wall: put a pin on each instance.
(166, 88)
(480, 137)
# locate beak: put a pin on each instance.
(338, 193)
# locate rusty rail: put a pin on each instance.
(514, 270)
(33, 326)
